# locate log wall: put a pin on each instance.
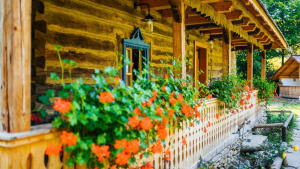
(91, 32)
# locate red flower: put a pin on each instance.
(209, 96)
(163, 88)
(171, 113)
(197, 112)
(205, 130)
(172, 100)
(233, 97)
(184, 141)
(137, 111)
(68, 139)
(166, 76)
(209, 124)
(241, 102)
(123, 158)
(154, 94)
(162, 132)
(183, 84)
(133, 121)
(101, 152)
(132, 146)
(157, 148)
(62, 106)
(106, 97)
(120, 143)
(180, 98)
(187, 110)
(146, 123)
(53, 149)
(159, 111)
(147, 166)
(165, 120)
(168, 154)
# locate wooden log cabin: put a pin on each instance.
(289, 77)
(92, 32)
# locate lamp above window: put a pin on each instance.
(149, 18)
(211, 42)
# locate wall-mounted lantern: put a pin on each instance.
(149, 18)
(211, 42)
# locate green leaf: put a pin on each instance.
(101, 139)
(57, 47)
(44, 99)
(54, 76)
(66, 61)
(43, 113)
(50, 93)
(57, 122)
(63, 94)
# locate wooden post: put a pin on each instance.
(250, 65)
(226, 50)
(284, 134)
(15, 65)
(178, 9)
(263, 65)
(299, 83)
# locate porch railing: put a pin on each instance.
(26, 150)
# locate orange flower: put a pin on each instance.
(180, 98)
(133, 121)
(209, 96)
(62, 106)
(101, 152)
(202, 119)
(168, 154)
(106, 97)
(123, 158)
(184, 141)
(132, 146)
(279, 84)
(241, 102)
(147, 166)
(187, 110)
(171, 113)
(154, 94)
(233, 97)
(157, 148)
(205, 130)
(163, 88)
(217, 115)
(117, 80)
(209, 124)
(162, 132)
(172, 100)
(120, 143)
(166, 76)
(165, 120)
(146, 123)
(53, 149)
(197, 112)
(159, 111)
(68, 139)
(137, 111)
(276, 95)
(183, 84)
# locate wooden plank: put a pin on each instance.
(210, 1)
(288, 120)
(167, 14)
(249, 28)
(16, 65)
(156, 4)
(214, 32)
(263, 65)
(226, 52)
(234, 15)
(260, 35)
(250, 65)
(267, 125)
(195, 20)
(223, 7)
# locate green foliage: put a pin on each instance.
(229, 90)
(266, 89)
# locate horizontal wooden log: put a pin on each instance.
(288, 120)
(250, 149)
(268, 125)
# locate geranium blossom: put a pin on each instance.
(132, 146)
(68, 139)
(162, 132)
(62, 106)
(53, 149)
(106, 97)
(123, 158)
(101, 152)
(133, 121)
(120, 143)
(184, 141)
(146, 123)
(157, 148)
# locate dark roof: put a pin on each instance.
(290, 69)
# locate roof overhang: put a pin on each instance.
(290, 69)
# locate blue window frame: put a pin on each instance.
(136, 50)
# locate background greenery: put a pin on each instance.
(286, 15)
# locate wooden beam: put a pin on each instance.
(238, 40)
(234, 15)
(253, 11)
(246, 2)
(266, 42)
(214, 32)
(167, 14)
(269, 46)
(226, 51)
(223, 7)
(263, 39)
(250, 65)
(263, 65)
(255, 32)
(210, 1)
(156, 4)
(249, 28)
(15, 65)
(196, 20)
(179, 34)
(259, 36)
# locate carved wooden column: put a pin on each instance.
(226, 50)
(15, 65)
(250, 65)
(178, 10)
(263, 65)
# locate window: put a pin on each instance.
(201, 63)
(137, 51)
